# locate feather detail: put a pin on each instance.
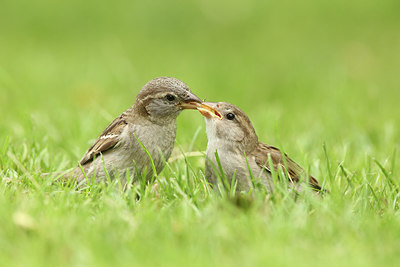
(107, 140)
(278, 161)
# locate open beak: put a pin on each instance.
(208, 110)
(190, 102)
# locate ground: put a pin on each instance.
(317, 79)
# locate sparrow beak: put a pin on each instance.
(208, 110)
(190, 102)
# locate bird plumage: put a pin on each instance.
(232, 135)
(150, 122)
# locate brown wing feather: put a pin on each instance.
(293, 169)
(108, 139)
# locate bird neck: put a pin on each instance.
(140, 111)
(139, 108)
(223, 145)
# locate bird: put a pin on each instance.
(146, 129)
(233, 150)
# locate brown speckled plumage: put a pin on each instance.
(152, 118)
(236, 139)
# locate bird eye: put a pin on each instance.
(230, 116)
(170, 97)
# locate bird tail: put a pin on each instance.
(315, 185)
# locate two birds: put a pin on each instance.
(143, 137)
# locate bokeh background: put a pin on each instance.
(307, 73)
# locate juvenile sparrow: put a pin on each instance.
(231, 134)
(151, 120)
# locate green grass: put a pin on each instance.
(318, 79)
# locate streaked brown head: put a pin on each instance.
(226, 122)
(164, 98)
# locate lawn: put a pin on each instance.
(318, 79)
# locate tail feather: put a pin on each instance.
(315, 185)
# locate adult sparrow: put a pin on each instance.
(150, 123)
(231, 134)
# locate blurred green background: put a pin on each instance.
(306, 72)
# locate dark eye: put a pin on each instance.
(230, 116)
(170, 97)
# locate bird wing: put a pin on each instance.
(107, 140)
(278, 161)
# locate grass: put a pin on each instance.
(317, 79)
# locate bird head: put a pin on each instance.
(228, 124)
(163, 98)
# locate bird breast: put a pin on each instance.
(156, 139)
(234, 163)
(129, 154)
